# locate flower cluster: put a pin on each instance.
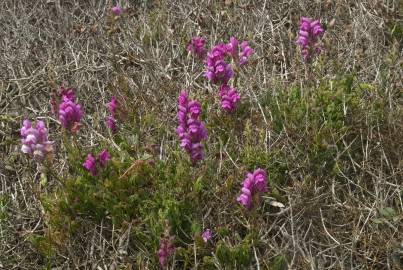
(229, 97)
(191, 131)
(35, 140)
(245, 53)
(91, 164)
(166, 250)
(242, 56)
(197, 47)
(218, 71)
(111, 121)
(254, 183)
(308, 37)
(207, 235)
(116, 10)
(70, 113)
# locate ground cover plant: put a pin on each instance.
(201, 135)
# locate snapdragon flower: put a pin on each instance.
(197, 47)
(166, 250)
(116, 10)
(110, 120)
(217, 70)
(253, 184)
(191, 131)
(91, 163)
(70, 113)
(240, 55)
(67, 92)
(103, 158)
(111, 124)
(229, 98)
(308, 37)
(35, 140)
(207, 235)
(245, 54)
(112, 106)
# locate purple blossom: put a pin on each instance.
(67, 92)
(103, 158)
(207, 235)
(245, 54)
(232, 48)
(112, 106)
(308, 37)
(111, 124)
(111, 121)
(240, 57)
(90, 165)
(70, 114)
(253, 184)
(229, 98)
(197, 47)
(217, 70)
(116, 10)
(191, 131)
(35, 140)
(165, 251)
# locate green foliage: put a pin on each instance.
(234, 256)
(279, 263)
(169, 195)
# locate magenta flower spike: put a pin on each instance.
(253, 184)
(165, 251)
(217, 70)
(112, 106)
(197, 47)
(90, 165)
(229, 98)
(70, 113)
(110, 120)
(207, 235)
(67, 92)
(191, 130)
(35, 140)
(103, 158)
(111, 124)
(245, 54)
(116, 10)
(308, 37)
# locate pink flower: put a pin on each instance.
(229, 98)
(196, 46)
(245, 54)
(67, 92)
(252, 185)
(91, 165)
(35, 140)
(207, 235)
(111, 121)
(308, 37)
(165, 251)
(217, 70)
(112, 106)
(111, 124)
(103, 158)
(116, 10)
(191, 130)
(70, 113)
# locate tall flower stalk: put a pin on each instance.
(191, 130)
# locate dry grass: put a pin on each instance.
(327, 223)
